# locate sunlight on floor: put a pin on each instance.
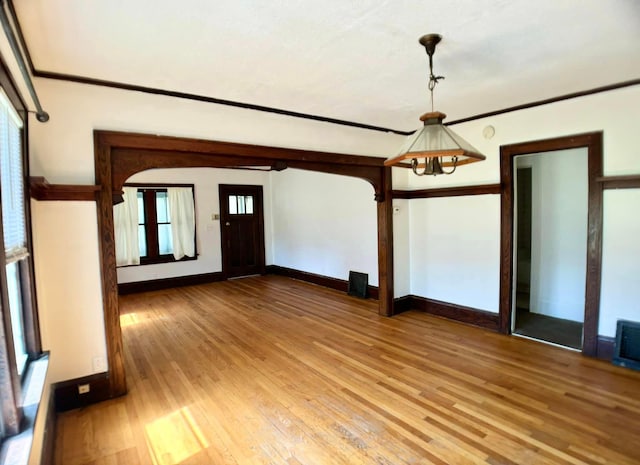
(174, 438)
(129, 319)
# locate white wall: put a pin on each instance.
(559, 232)
(65, 249)
(455, 252)
(620, 294)
(206, 182)
(62, 151)
(324, 224)
(616, 113)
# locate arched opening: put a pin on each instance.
(120, 155)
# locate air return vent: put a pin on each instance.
(358, 283)
(627, 350)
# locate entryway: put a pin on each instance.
(242, 230)
(550, 252)
(550, 284)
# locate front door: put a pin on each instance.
(242, 224)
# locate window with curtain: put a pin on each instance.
(155, 224)
(19, 335)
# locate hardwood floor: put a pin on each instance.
(269, 370)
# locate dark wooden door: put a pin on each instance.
(242, 224)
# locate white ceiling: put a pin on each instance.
(353, 60)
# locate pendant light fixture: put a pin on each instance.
(434, 147)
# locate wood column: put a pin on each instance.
(385, 246)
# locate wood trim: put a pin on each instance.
(385, 247)
(40, 189)
(157, 185)
(168, 283)
(620, 182)
(119, 155)
(447, 192)
(606, 347)
(538, 103)
(402, 304)
(208, 99)
(341, 285)
(459, 313)
(108, 275)
(66, 396)
(593, 142)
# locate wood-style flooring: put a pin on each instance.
(269, 370)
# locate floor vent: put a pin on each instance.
(627, 349)
(358, 283)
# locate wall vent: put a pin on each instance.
(358, 283)
(627, 349)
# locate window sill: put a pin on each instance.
(16, 449)
(160, 260)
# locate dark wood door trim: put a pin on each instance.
(258, 207)
(593, 142)
(119, 155)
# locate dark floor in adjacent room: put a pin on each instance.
(546, 328)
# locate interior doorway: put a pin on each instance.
(592, 143)
(550, 250)
(242, 230)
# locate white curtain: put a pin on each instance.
(125, 220)
(183, 223)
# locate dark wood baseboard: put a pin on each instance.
(402, 304)
(606, 347)
(67, 397)
(321, 280)
(167, 283)
(450, 311)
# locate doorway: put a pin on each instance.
(550, 250)
(592, 142)
(242, 230)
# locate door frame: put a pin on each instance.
(222, 190)
(593, 143)
(119, 155)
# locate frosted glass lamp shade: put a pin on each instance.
(434, 140)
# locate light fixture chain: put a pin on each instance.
(433, 79)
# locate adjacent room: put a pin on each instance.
(243, 232)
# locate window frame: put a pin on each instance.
(151, 224)
(12, 384)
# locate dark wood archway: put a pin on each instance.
(593, 143)
(119, 155)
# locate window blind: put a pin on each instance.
(12, 188)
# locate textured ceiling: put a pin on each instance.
(352, 60)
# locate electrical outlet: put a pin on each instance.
(84, 388)
(99, 365)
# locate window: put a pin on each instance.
(241, 204)
(154, 226)
(165, 219)
(19, 336)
